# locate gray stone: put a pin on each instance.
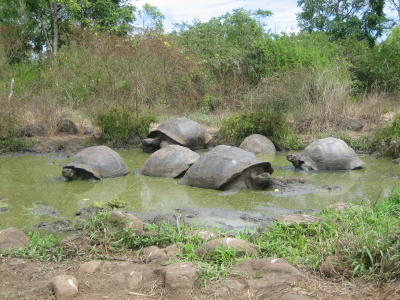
(67, 126)
(268, 273)
(130, 221)
(300, 219)
(179, 276)
(258, 144)
(354, 125)
(33, 130)
(152, 253)
(65, 287)
(12, 238)
(90, 266)
(338, 206)
(240, 246)
(397, 161)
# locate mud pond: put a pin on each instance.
(31, 192)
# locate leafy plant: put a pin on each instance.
(387, 140)
(118, 126)
(240, 125)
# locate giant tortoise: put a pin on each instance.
(95, 162)
(226, 168)
(326, 154)
(171, 161)
(179, 131)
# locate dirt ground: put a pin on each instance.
(26, 279)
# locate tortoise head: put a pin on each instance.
(295, 160)
(260, 181)
(69, 173)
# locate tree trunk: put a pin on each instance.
(54, 17)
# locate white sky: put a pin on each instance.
(176, 11)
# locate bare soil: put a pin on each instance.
(27, 279)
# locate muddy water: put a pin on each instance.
(31, 192)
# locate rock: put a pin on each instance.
(56, 226)
(130, 221)
(236, 286)
(293, 296)
(179, 276)
(338, 206)
(397, 161)
(204, 234)
(267, 273)
(3, 210)
(132, 279)
(67, 126)
(33, 130)
(240, 246)
(90, 266)
(172, 250)
(333, 266)
(87, 212)
(65, 287)
(12, 238)
(331, 188)
(258, 144)
(354, 125)
(293, 219)
(153, 253)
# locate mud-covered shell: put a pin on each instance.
(171, 161)
(257, 144)
(331, 154)
(220, 166)
(101, 161)
(184, 132)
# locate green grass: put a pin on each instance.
(14, 144)
(42, 247)
(387, 140)
(366, 238)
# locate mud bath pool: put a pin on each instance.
(31, 192)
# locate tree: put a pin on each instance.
(150, 18)
(363, 19)
(227, 44)
(395, 5)
(43, 25)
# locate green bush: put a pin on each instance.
(118, 126)
(387, 140)
(271, 124)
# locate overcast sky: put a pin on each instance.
(176, 11)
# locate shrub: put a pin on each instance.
(118, 126)
(387, 140)
(240, 125)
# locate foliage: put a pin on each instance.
(225, 44)
(240, 125)
(150, 18)
(118, 125)
(43, 247)
(358, 18)
(387, 140)
(365, 238)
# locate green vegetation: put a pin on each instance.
(364, 237)
(119, 126)
(271, 124)
(387, 140)
(89, 56)
(42, 247)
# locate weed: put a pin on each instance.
(387, 140)
(269, 123)
(119, 126)
(41, 247)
